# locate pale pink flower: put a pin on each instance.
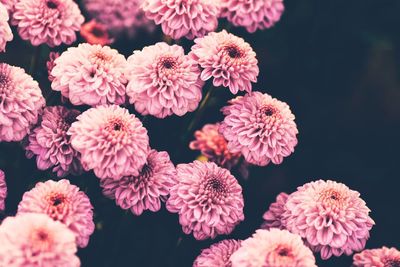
(21, 103)
(51, 22)
(273, 216)
(252, 14)
(91, 75)
(379, 257)
(63, 202)
(111, 141)
(3, 191)
(35, 240)
(183, 18)
(94, 32)
(274, 247)
(9, 5)
(5, 30)
(207, 198)
(218, 255)
(262, 128)
(163, 81)
(331, 218)
(50, 64)
(228, 59)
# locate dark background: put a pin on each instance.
(336, 63)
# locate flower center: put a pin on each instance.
(168, 63)
(392, 262)
(146, 171)
(98, 32)
(117, 126)
(57, 199)
(283, 252)
(51, 4)
(233, 51)
(40, 240)
(215, 185)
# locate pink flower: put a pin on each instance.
(214, 147)
(262, 128)
(21, 103)
(379, 257)
(5, 30)
(94, 32)
(51, 144)
(50, 64)
(51, 22)
(3, 191)
(111, 141)
(9, 5)
(183, 18)
(90, 75)
(146, 190)
(273, 217)
(277, 248)
(163, 81)
(252, 14)
(331, 218)
(63, 202)
(228, 59)
(36, 240)
(218, 254)
(208, 199)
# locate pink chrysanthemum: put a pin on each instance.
(50, 143)
(9, 5)
(91, 75)
(36, 240)
(51, 22)
(21, 102)
(273, 216)
(262, 128)
(111, 141)
(252, 14)
(208, 199)
(331, 218)
(5, 30)
(218, 254)
(94, 32)
(163, 81)
(214, 147)
(379, 257)
(63, 202)
(145, 191)
(3, 191)
(183, 18)
(50, 64)
(228, 59)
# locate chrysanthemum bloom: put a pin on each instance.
(254, 14)
(262, 128)
(111, 141)
(183, 18)
(5, 30)
(9, 5)
(50, 143)
(91, 75)
(3, 191)
(95, 33)
(228, 59)
(275, 247)
(63, 202)
(379, 257)
(273, 216)
(163, 81)
(218, 254)
(331, 218)
(208, 199)
(50, 64)
(36, 240)
(214, 147)
(21, 102)
(146, 190)
(51, 22)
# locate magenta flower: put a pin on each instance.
(379, 257)
(111, 141)
(252, 14)
(228, 59)
(50, 64)
(262, 128)
(90, 75)
(36, 240)
(5, 30)
(273, 216)
(331, 218)
(63, 202)
(218, 254)
(145, 191)
(180, 18)
(207, 198)
(3, 191)
(163, 81)
(21, 102)
(51, 22)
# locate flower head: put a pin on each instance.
(262, 128)
(3, 191)
(90, 75)
(379, 257)
(51, 22)
(50, 64)
(63, 202)
(94, 32)
(21, 102)
(111, 141)
(5, 30)
(273, 216)
(208, 199)
(228, 59)
(163, 81)
(218, 254)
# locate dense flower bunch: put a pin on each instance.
(218, 254)
(5, 31)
